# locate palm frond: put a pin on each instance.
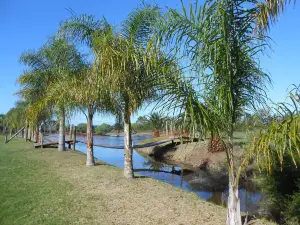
(139, 25)
(82, 28)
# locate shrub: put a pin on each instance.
(282, 192)
(103, 129)
(81, 128)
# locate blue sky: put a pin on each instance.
(27, 25)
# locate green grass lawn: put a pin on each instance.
(44, 186)
(30, 192)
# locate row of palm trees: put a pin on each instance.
(140, 62)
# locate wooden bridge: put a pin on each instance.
(52, 143)
(146, 145)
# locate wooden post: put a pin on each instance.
(74, 138)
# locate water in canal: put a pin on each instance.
(249, 200)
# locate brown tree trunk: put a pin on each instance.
(61, 137)
(156, 132)
(90, 161)
(128, 167)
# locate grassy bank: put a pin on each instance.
(44, 186)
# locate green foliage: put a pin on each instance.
(88, 90)
(81, 127)
(268, 12)
(281, 137)
(232, 78)
(292, 210)
(157, 120)
(46, 67)
(103, 129)
(282, 192)
(15, 116)
(258, 120)
(142, 124)
(2, 117)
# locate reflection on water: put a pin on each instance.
(164, 172)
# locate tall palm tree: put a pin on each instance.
(51, 63)
(86, 94)
(118, 58)
(127, 56)
(221, 44)
(90, 92)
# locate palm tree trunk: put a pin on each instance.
(156, 132)
(26, 131)
(61, 137)
(90, 161)
(233, 206)
(128, 167)
(36, 137)
(29, 133)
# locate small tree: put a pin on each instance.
(103, 129)
(157, 121)
(81, 127)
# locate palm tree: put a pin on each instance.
(127, 57)
(87, 94)
(88, 91)
(123, 50)
(221, 44)
(157, 120)
(51, 63)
